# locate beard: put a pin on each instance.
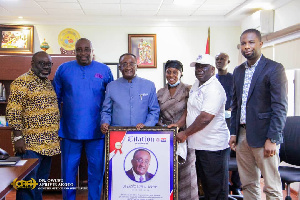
(249, 56)
(43, 75)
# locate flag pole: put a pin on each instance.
(207, 51)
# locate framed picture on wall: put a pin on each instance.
(16, 39)
(144, 47)
(141, 164)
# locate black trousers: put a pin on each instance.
(212, 170)
(235, 177)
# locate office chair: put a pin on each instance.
(289, 153)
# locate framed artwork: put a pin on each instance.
(16, 39)
(114, 67)
(143, 46)
(141, 164)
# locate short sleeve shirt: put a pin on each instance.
(210, 97)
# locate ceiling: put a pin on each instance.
(135, 12)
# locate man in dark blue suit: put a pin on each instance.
(259, 107)
(140, 163)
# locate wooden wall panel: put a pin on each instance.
(11, 67)
(14, 65)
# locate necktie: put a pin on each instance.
(141, 178)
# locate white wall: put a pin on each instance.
(176, 42)
(287, 15)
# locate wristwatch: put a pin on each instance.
(18, 138)
(272, 140)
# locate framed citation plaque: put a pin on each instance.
(141, 164)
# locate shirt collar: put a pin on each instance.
(177, 95)
(30, 72)
(137, 177)
(36, 78)
(126, 81)
(207, 82)
(84, 66)
(255, 64)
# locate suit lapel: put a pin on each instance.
(241, 81)
(259, 68)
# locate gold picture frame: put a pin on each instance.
(16, 39)
(161, 176)
(143, 46)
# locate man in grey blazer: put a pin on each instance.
(259, 107)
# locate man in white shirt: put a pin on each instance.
(207, 131)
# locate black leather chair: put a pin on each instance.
(290, 153)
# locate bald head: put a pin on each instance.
(83, 40)
(41, 64)
(39, 53)
(222, 61)
(84, 51)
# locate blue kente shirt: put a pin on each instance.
(128, 104)
(82, 91)
(227, 83)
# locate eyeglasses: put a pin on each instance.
(140, 160)
(43, 64)
(83, 50)
(125, 64)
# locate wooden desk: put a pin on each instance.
(8, 174)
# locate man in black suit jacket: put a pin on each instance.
(140, 163)
(258, 116)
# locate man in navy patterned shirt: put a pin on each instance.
(226, 80)
(259, 108)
